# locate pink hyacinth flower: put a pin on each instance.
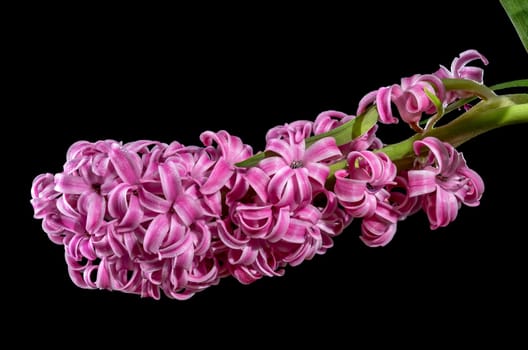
(443, 180)
(409, 97)
(356, 187)
(296, 131)
(461, 70)
(378, 229)
(296, 171)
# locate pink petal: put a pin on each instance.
(245, 256)
(323, 149)
(280, 187)
(95, 206)
(267, 265)
(152, 202)
(132, 217)
(282, 223)
(170, 181)
(188, 209)
(218, 178)
(284, 149)
(272, 164)
(258, 181)
(255, 221)
(296, 231)
(366, 101)
(348, 190)
(156, 232)
(441, 208)
(127, 164)
(178, 240)
(104, 279)
(71, 184)
(228, 238)
(327, 121)
(421, 182)
(302, 189)
(383, 104)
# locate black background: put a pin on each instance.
(130, 74)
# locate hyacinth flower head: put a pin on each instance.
(154, 219)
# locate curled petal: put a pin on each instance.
(125, 206)
(178, 241)
(244, 256)
(43, 187)
(153, 202)
(348, 190)
(245, 274)
(376, 169)
(188, 209)
(254, 221)
(156, 233)
(296, 231)
(459, 66)
(282, 223)
(231, 147)
(366, 101)
(71, 184)
(441, 208)
(442, 155)
(202, 238)
(170, 181)
(421, 182)
(318, 172)
(376, 232)
(323, 149)
(228, 236)
(218, 178)
(471, 193)
(288, 151)
(329, 120)
(383, 104)
(258, 181)
(127, 164)
(94, 206)
(267, 265)
(295, 132)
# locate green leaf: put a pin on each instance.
(254, 160)
(517, 11)
(520, 83)
(510, 84)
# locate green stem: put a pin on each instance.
(469, 85)
(487, 115)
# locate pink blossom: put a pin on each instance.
(296, 171)
(295, 132)
(378, 229)
(356, 187)
(444, 181)
(409, 98)
(460, 70)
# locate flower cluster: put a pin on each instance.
(147, 217)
